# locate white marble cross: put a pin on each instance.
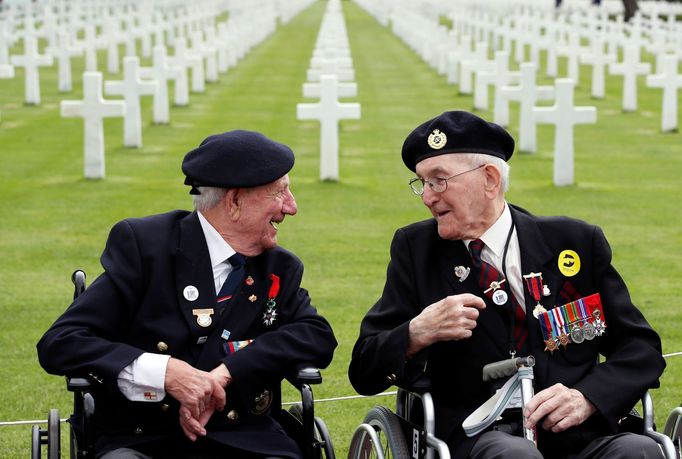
(187, 60)
(161, 71)
(209, 53)
(93, 108)
(331, 67)
(329, 111)
(671, 82)
(90, 47)
(478, 62)
(349, 89)
(564, 116)
(63, 52)
(6, 71)
(630, 68)
(498, 76)
(572, 52)
(131, 88)
(527, 93)
(31, 61)
(598, 59)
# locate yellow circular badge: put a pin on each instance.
(569, 263)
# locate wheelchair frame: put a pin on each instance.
(316, 441)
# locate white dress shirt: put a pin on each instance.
(144, 379)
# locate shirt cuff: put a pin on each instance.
(144, 379)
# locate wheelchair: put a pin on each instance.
(299, 421)
(409, 433)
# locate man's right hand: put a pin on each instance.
(195, 389)
(451, 319)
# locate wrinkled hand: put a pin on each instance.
(559, 408)
(452, 318)
(193, 425)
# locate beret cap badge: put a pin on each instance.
(437, 139)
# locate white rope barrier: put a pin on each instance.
(321, 400)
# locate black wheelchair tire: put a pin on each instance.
(35, 442)
(322, 433)
(53, 434)
(387, 427)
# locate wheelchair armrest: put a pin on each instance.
(308, 375)
(77, 384)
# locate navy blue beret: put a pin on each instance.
(456, 132)
(236, 159)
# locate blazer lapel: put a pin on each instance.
(194, 284)
(490, 320)
(536, 257)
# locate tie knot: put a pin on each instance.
(476, 247)
(237, 260)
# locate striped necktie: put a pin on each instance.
(234, 278)
(486, 275)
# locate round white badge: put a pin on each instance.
(190, 293)
(500, 297)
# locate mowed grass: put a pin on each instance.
(627, 181)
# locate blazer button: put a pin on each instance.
(232, 415)
(165, 407)
(138, 431)
(161, 346)
(391, 378)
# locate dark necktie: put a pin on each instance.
(234, 278)
(487, 275)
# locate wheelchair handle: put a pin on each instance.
(507, 367)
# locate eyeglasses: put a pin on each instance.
(437, 184)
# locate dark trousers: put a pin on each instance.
(500, 445)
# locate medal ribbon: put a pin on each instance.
(534, 286)
(558, 321)
(274, 288)
(583, 310)
(545, 325)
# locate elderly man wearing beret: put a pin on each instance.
(198, 316)
(483, 280)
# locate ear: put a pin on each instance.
(233, 203)
(493, 181)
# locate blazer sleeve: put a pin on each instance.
(378, 359)
(632, 348)
(87, 337)
(303, 337)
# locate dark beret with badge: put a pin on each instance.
(456, 132)
(236, 159)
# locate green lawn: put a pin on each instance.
(627, 173)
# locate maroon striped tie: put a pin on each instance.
(486, 274)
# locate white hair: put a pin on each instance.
(210, 196)
(480, 159)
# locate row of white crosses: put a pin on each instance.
(248, 24)
(330, 77)
(462, 54)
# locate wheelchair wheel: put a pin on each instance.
(322, 434)
(53, 434)
(380, 436)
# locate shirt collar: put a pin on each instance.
(218, 248)
(495, 237)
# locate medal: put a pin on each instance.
(500, 297)
(588, 331)
(249, 281)
(270, 314)
(190, 293)
(462, 272)
(539, 309)
(545, 291)
(577, 335)
(599, 325)
(564, 340)
(203, 317)
(537, 290)
(550, 345)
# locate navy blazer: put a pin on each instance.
(137, 305)
(421, 272)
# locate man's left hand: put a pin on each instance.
(193, 427)
(558, 408)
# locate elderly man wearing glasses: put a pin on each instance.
(483, 280)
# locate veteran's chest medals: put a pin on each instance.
(270, 314)
(537, 290)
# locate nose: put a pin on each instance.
(429, 197)
(289, 206)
